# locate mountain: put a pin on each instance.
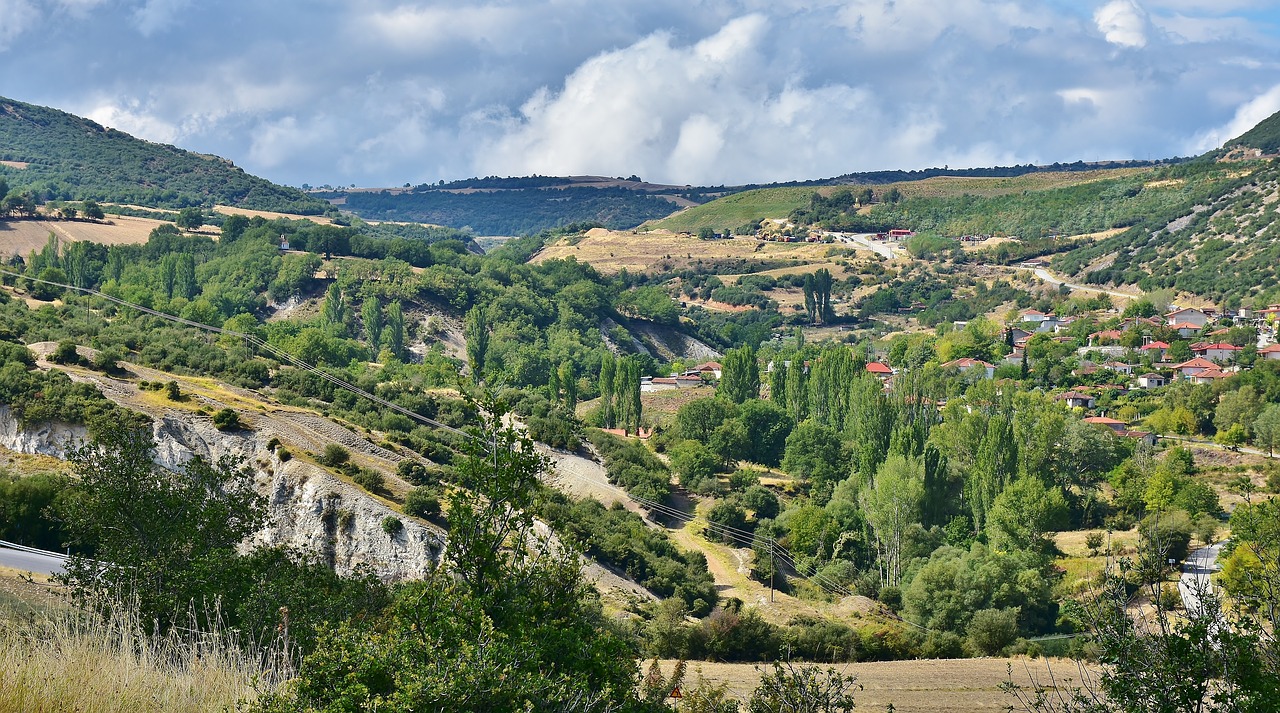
(60, 156)
(1265, 136)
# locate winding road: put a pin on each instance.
(1053, 280)
(30, 560)
(1196, 573)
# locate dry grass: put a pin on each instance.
(20, 237)
(611, 251)
(927, 686)
(69, 662)
(269, 215)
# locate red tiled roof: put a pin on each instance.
(1155, 345)
(1270, 349)
(1184, 325)
(965, 363)
(1222, 346)
(876, 367)
(1200, 362)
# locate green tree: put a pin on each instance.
(790, 688)
(190, 219)
(814, 452)
(1024, 513)
(768, 426)
(393, 330)
(695, 464)
(1266, 428)
(476, 333)
(1240, 407)
(371, 314)
(608, 368)
(334, 312)
(892, 505)
(161, 540)
(740, 375)
(568, 373)
(92, 210)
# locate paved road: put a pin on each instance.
(30, 561)
(1053, 280)
(1197, 569)
(863, 241)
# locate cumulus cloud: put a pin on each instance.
(1123, 23)
(1246, 117)
(386, 91)
(16, 17)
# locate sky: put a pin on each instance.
(702, 92)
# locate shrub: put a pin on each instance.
(284, 455)
(1093, 541)
(174, 393)
(991, 630)
(334, 455)
(370, 480)
(761, 501)
(743, 479)
(107, 360)
(411, 471)
(65, 353)
(227, 420)
(392, 525)
(423, 501)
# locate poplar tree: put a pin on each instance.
(371, 312)
(476, 333)
(740, 375)
(393, 330)
(608, 366)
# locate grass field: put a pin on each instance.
(753, 206)
(269, 215)
(927, 686)
(20, 237)
(611, 251)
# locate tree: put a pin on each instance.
(608, 369)
(393, 330)
(334, 312)
(476, 333)
(789, 688)
(1024, 513)
(227, 420)
(740, 375)
(768, 426)
(814, 452)
(568, 373)
(161, 539)
(371, 313)
(45, 290)
(695, 464)
(1240, 407)
(190, 219)
(892, 504)
(92, 210)
(1266, 428)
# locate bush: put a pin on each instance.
(65, 353)
(392, 525)
(284, 455)
(991, 630)
(423, 502)
(107, 360)
(334, 455)
(411, 471)
(227, 420)
(174, 393)
(731, 521)
(761, 501)
(1093, 541)
(370, 480)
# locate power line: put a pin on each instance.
(742, 536)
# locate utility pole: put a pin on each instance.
(772, 570)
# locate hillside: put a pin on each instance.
(59, 156)
(519, 206)
(1265, 136)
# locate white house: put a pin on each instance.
(1075, 399)
(1187, 315)
(1152, 381)
(1219, 351)
(1270, 352)
(964, 365)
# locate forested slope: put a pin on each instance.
(67, 157)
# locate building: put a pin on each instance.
(1188, 315)
(669, 383)
(1186, 329)
(1109, 336)
(1113, 424)
(1075, 399)
(1218, 351)
(1152, 381)
(1208, 376)
(1270, 352)
(1155, 349)
(1190, 368)
(881, 370)
(966, 365)
(706, 368)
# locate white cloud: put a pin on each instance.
(133, 119)
(1122, 22)
(422, 29)
(16, 17)
(158, 15)
(1247, 116)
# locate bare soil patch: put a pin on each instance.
(612, 251)
(15, 164)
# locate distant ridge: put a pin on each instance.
(60, 156)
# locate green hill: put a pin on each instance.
(59, 156)
(1264, 136)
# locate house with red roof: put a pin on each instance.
(1187, 315)
(1186, 329)
(1152, 381)
(708, 368)
(1155, 349)
(1194, 366)
(1208, 376)
(1271, 351)
(1113, 424)
(965, 365)
(1217, 351)
(1109, 336)
(879, 369)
